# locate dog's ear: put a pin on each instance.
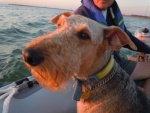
(115, 38)
(62, 15)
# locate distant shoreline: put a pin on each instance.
(132, 15)
(38, 6)
(137, 16)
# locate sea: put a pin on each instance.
(20, 24)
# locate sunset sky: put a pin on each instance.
(139, 7)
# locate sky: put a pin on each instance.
(136, 7)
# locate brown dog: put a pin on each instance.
(82, 48)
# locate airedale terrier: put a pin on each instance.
(82, 48)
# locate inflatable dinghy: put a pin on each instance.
(142, 34)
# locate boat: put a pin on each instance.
(142, 34)
(27, 96)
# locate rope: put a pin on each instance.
(8, 94)
(9, 91)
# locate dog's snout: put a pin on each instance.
(32, 57)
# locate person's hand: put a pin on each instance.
(142, 57)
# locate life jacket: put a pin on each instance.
(113, 12)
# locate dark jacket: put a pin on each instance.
(141, 47)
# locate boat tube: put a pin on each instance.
(27, 96)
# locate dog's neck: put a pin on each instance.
(95, 80)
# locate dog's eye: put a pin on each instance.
(83, 35)
(58, 25)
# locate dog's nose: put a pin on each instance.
(32, 57)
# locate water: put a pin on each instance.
(19, 25)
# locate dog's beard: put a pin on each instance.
(50, 78)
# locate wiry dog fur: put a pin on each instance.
(81, 47)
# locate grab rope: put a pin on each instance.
(8, 94)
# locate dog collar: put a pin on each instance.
(107, 69)
(93, 79)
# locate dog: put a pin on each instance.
(82, 48)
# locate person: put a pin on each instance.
(107, 12)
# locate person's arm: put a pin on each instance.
(141, 47)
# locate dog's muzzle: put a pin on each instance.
(32, 57)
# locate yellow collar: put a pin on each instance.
(100, 75)
(107, 69)
(79, 94)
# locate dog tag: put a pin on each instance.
(78, 90)
(85, 95)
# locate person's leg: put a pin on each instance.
(147, 87)
(141, 72)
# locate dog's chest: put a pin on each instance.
(110, 97)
